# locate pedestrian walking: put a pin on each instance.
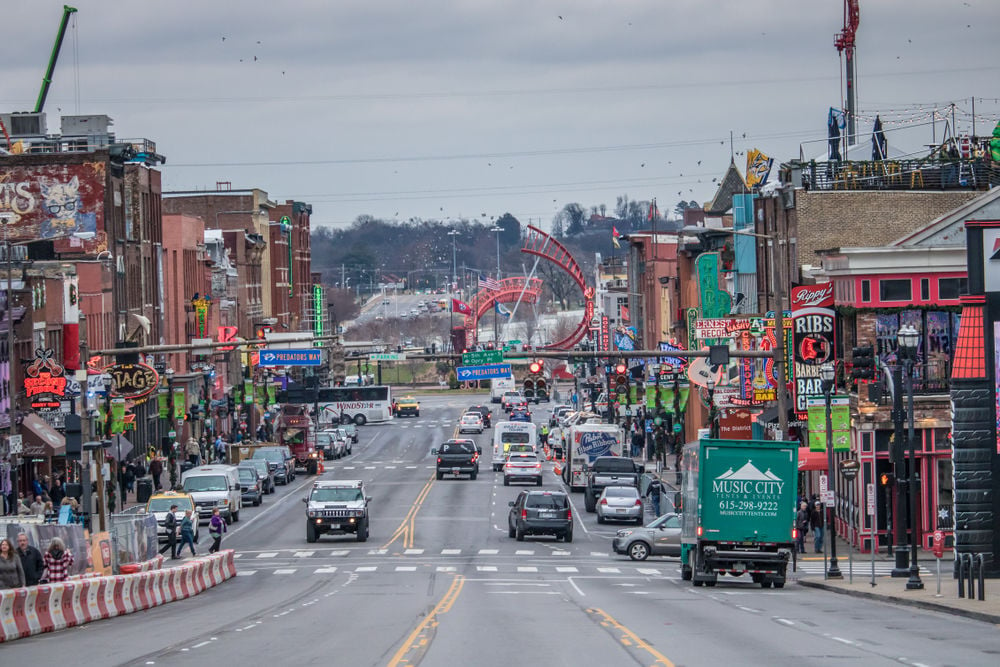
(38, 507)
(816, 525)
(58, 560)
(31, 561)
(653, 493)
(129, 477)
(802, 526)
(11, 571)
(170, 526)
(192, 450)
(155, 470)
(638, 439)
(58, 491)
(575, 400)
(216, 527)
(187, 533)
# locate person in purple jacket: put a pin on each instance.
(216, 527)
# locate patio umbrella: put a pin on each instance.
(833, 133)
(879, 144)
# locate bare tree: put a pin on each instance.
(558, 282)
(564, 327)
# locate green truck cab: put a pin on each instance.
(738, 510)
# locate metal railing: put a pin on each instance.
(926, 174)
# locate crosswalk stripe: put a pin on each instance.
(524, 552)
(325, 570)
(486, 568)
(303, 554)
(488, 552)
(348, 468)
(527, 568)
(566, 569)
(339, 552)
(598, 553)
(286, 571)
(366, 568)
(246, 573)
(609, 570)
(377, 552)
(267, 554)
(450, 552)
(413, 552)
(237, 555)
(647, 570)
(445, 568)
(406, 568)
(560, 553)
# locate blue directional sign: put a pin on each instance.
(487, 372)
(307, 357)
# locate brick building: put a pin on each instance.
(291, 263)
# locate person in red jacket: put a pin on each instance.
(58, 560)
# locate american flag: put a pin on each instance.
(488, 283)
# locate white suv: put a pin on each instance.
(338, 507)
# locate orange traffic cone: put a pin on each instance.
(322, 468)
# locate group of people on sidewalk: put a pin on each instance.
(25, 565)
(185, 530)
(809, 519)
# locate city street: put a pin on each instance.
(439, 582)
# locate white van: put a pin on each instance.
(498, 386)
(506, 434)
(214, 486)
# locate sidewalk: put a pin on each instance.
(893, 590)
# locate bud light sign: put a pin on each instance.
(813, 338)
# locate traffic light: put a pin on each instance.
(863, 358)
(536, 380)
(541, 389)
(230, 404)
(621, 378)
(529, 387)
(535, 367)
(887, 479)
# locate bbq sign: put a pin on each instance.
(813, 338)
(132, 380)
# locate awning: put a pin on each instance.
(811, 460)
(768, 416)
(40, 439)
(123, 442)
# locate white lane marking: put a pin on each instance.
(366, 568)
(348, 468)
(406, 568)
(450, 552)
(844, 641)
(339, 552)
(527, 568)
(578, 589)
(293, 493)
(751, 610)
(200, 644)
(560, 553)
(486, 568)
(377, 552)
(647, 570)
(267, 554)
(411, 467)
(446, 568)
(567, 569)
(488, 552)
(303, 554)
(525, 552)
(785, 621)
(390, 467)
(413, 552)
(598, 553)
(286, 571)
(639, 592)
(430, 467)
(245, 573)
(324, 570)
(609, 570)
(369, 467)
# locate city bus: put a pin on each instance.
(340, 405)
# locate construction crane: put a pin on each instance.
(47, 79)
(844, 41)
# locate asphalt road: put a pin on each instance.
(440, 583)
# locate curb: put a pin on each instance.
(921, 604)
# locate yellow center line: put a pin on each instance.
(416, 639)
(405, 528)
(628, 637)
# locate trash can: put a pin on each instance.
(143, 489)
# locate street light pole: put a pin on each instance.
(908, 338)
(454, 286)
(827, 373)
(496, 329)
(712, 431)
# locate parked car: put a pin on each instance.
(352, 432)
(660, 537)
(619, 503)
(264, 470)
(251, 484)
(280, 462)
(471, 422)
(522, 467)
(539, 512)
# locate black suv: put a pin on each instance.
(485, 412)
(540, 513)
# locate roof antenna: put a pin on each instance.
(732, 155)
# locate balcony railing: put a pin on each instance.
(925, 174)
(930, 378)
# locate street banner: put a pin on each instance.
(117, 415)
(180, 403)
(840, 417)
(163, 403)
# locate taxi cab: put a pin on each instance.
(407, 406)
(159, 506)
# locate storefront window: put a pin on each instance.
(945, 495)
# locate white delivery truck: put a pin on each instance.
(498, 386)
(585, 443)
(506, 434)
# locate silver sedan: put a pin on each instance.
(619, 503)
(660, 537)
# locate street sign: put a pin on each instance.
(828, 498)
(202, 351)
(849, 469)
(15, 444)
(387, 356)
(483, 357)
(870, 498)
(492, 371)
(307, 357)
(823, 485)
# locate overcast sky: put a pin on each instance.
(441, 109)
